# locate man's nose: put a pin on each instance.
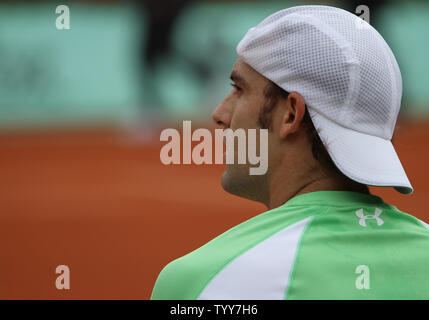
(222, 114)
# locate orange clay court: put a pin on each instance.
(101, 202)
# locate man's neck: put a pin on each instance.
(279, 196)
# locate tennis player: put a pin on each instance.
(328, 89)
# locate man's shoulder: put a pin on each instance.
(244, 245)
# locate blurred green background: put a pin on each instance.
(97, 71)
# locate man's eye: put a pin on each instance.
(235, 86)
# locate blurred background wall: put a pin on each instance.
(80, 115)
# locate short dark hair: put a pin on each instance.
(273, 93)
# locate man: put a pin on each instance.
(328, 89)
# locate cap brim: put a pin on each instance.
(363, 158)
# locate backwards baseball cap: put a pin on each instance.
(349, 79)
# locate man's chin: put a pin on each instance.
(225, 182)
(237, 182)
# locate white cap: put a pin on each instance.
(349, 79)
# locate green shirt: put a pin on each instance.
(318, 245)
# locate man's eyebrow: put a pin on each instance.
(237, 78)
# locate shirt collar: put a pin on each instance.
(334, 198)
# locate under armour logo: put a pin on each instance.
(375, 216)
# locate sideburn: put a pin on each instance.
(272, 93)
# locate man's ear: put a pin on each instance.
(293, 112)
